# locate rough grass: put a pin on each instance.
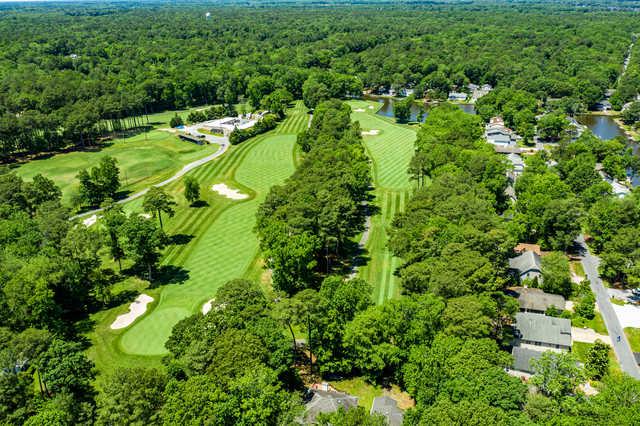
(390, 152)
(218, 239)
(580, 350)
(144, 160)
(367, 392)
(597, 323)
(633, 335)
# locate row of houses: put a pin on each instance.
(474, 93)
(534, 331)
(324, 399)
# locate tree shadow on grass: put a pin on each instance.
(170, 274)
(180, 239)
(199, 204)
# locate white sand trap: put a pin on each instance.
(371, 132)
(358, 110)
(206, 308)
(370, 106)
(628, 315)
(145, 215)
(90, 221)
(224, 190)
(136, 309)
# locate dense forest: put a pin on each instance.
(69, 75)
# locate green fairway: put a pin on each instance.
(144, 160)
(222, 245)
(390, 151)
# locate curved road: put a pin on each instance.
(224, 145)
(621, 348)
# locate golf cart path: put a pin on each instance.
(223, 146)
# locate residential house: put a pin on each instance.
(498, 134)
(535, 300)
(388, 408)
(458, 96)
(603, 105)
(542, 332)
(518, 165)
(526, 266)
(327, 402)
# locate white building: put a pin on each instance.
(227, 125)
(497, 133)
(457, 96)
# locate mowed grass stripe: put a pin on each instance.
(390, 152)
(224, 245)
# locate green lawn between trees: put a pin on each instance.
(222, 244)
(390, 152)
(144, 159)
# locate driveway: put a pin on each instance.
(621, 347)
(588, 335)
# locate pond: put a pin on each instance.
(606, 128)
(602, 126)
(416, 111)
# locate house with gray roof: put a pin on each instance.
(535, 300)
(388, 407)
(542, 332)
(522, 358)
(327, 402)
(526, 266)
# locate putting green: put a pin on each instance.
(390, 151)
(222, 245)
(143, 161)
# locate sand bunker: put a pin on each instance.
(206, 308)
(371, 132)
(90, 221)
(370, 106)
(145, 215)
(358, 110)
(225, 191)
(136, 309)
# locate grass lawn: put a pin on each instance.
(633, 335)
(390, 152)
(577, 268)
(218, 243)
(367, 392)
(144, 160)
(580, 350)
(597, 323)
(618, 301)
(357, 386)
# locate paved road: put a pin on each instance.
(222, 142)
(622, 349)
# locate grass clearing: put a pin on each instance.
(633, 335)
(144, 160)
(218, 239)
(577, 268)
(581, 349)
(358, 386)
(597, 323)
(390, 151)
(367, 392)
